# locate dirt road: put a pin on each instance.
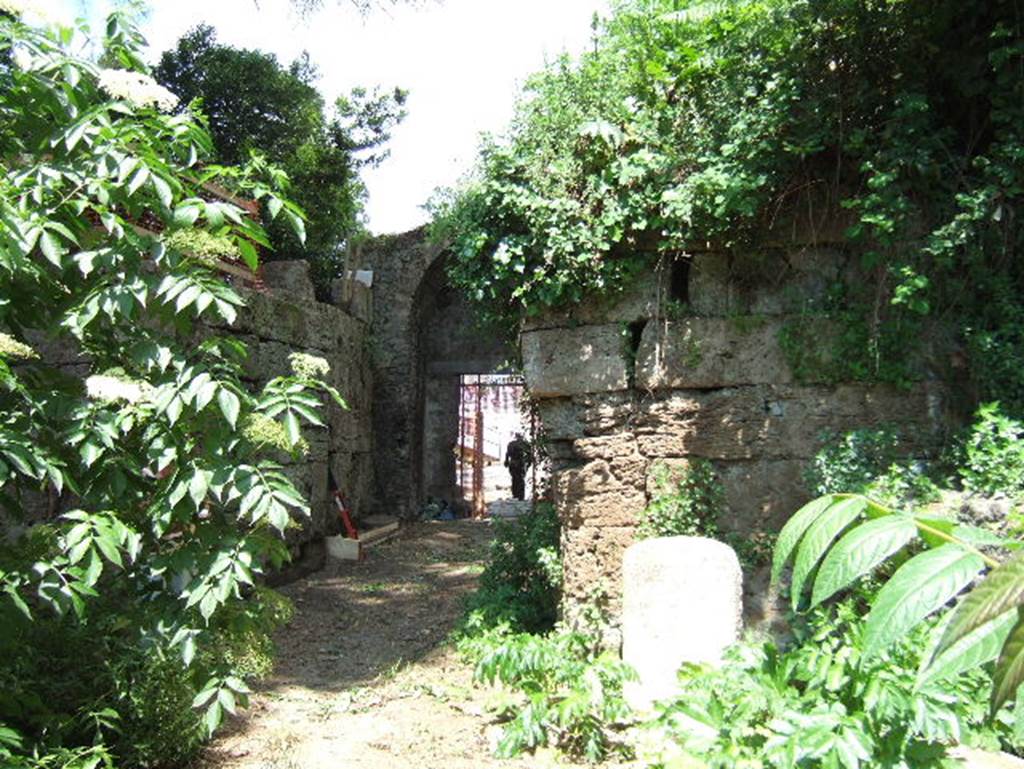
(364, 676)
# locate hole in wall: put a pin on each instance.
(679, 284)
(635, 335)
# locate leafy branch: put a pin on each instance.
(835, 540)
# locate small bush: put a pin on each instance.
(823, 703)
(688, 502)
(569, 693)
(992, 457)
(521, 585)
(850, 462)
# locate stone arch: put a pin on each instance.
(424, 337)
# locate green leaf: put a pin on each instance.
(138, 179)
(212, 718)
(922, 585)
(819, 537)
(51, 248)
(1000, 591)
(972, 650)
(163, 190)
(291, 427)
(229, 405)
(248, 252)
(860, 551)
(794, 529)
(1009, 672)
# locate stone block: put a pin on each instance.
(776, 283)
(570, 361)
(761, 495)
(289, 278)
(604, 413)
(560, 419)
(354, 298)
(606, 446)
(682, 601)
(782, 422)
(601, 493)
(593, 556)
(638, 300)
(715, 352)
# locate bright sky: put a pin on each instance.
(463, 62)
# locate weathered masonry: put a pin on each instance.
(424, 336)
(688, 363)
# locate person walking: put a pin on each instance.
(518, 458)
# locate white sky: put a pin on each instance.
(463, 62)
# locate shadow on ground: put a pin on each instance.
(355, 621)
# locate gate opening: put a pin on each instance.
(491, 415)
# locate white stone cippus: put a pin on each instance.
(682, 602)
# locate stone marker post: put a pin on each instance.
(682, 602)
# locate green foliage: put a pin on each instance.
(992, 458)
(521, 585)
(567, 692)
(825, 702)
(254, 103)
(128, 607)
(694, 123)
(868, 461)
(837, 539)
(852, 461)
(687, 501)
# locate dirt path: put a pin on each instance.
(364, 676)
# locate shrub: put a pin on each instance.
(567, 692)
(688, 501)
(824, 702)
(521, 584)
(163, 512)
(992, 457)
(850, 462)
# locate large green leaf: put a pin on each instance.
(976, 648)
(819, 537)
(922, 585)
(1009, 672)
(860, 551)
(794, 530)
(1000, 591)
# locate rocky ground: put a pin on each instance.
(365, 677)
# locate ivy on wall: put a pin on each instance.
(689, 124)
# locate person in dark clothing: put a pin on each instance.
(517, 459)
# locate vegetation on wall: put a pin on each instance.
(691, 125)
(252, 102)
(138, 506)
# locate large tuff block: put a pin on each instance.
(781, 422)
(570, 361)
(593, 556)
(714, 352)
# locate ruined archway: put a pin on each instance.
(425, 337)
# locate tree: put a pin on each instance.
(131, 597)
(252, 101)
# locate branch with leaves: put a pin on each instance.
(835, 540)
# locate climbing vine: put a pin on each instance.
(714, 123)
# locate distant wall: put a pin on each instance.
(687, 364)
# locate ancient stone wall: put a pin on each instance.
(687, 364)
(285, 319)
